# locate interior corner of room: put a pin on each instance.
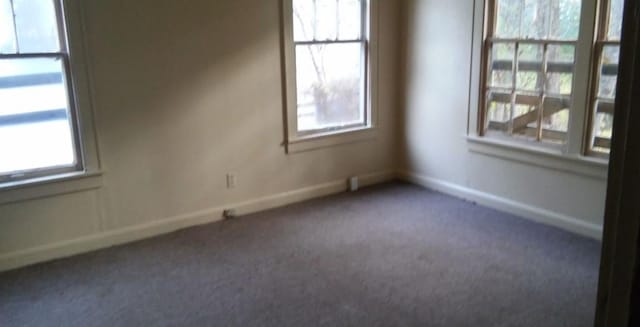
(156, 116)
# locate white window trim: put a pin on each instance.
(47, 186)
(569, 158)
(89, 176)
(550, 158)
(299, 142)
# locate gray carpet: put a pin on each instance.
(391, 255)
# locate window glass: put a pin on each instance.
(501, 66)
(508, 18)
(529, 77)
(303, 20)
(327, 20)
(535, 19)
(7, 33)
(349, 19)
(34, 116)
(560, 60)
(615, 19)
(36, 125)
(609, 72)
(36, 25)
(329, 85)
(564, 19)
(330, 65)
(532, 100)
(538, 19)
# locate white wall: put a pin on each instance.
(184, 92)
(438, 39)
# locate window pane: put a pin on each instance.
(349, 19)
(508, 18)
(538, 19)
(35, 129)
(558, 121)
(525, 120)
(555, 114)
(607, 87)
(326, 19)
(37, 27)
(559, 83)
(534, 19)
(498, 113)
(560, 64)
(501, 74)
(602, 130)
(615, 19)
(322, 19)
(604, 125)
(555, 119)
(609, 72)
(7, 33)
(303, 20)
(329, 85)
(564, 19)
(563, 53)
(529, 67)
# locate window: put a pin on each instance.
(38, 132)
(535, 86)
(328, 67)
(607, 51)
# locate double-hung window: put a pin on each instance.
(549, 73)
(328, 64)
(38, 129)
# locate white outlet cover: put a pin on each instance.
(231, 180)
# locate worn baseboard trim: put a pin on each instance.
(537, 214)
(134, 233)
(307, 193)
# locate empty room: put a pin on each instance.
(318, 162)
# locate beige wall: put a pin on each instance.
(186, 91)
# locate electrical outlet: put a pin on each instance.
(231, 180)
(353, 183)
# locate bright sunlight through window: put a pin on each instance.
(36, 127)
(330, 51)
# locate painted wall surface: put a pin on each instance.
(185, 92)
(438, 39)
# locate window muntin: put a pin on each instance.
(607, 52)
(37, 126)
(331, 64)
(530, 62)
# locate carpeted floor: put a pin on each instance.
(391, 255)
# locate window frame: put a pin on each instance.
(63, 55)
(600, 41)
(577, 144)
(299, 141)
(77, 76)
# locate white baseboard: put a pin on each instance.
(125, 235)
(316, 191)
(537, 214)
